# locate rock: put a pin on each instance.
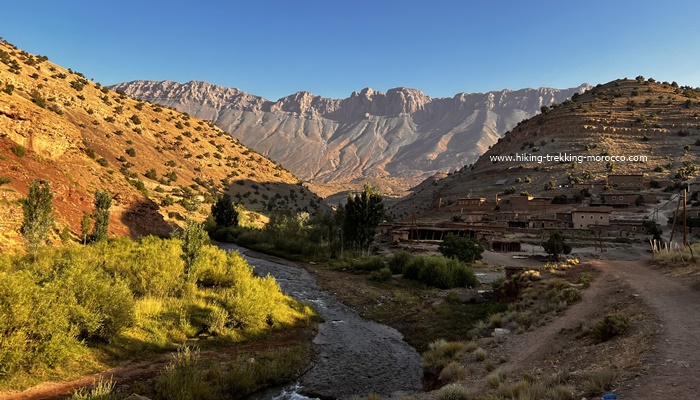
(500, 332)
(402, 133)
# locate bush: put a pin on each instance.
(381, 275)
(585, 279)
(4, 180)
(462, 248)
(102, 390)
(369, 263)
(453, 372)
(130, 151)
(600, 381)
(441, 352)
(184, 378)
(399, 261)
(453, 392)
(19, 150)
(611, 325)
(440, 272)
(103, 162)
(479, 354)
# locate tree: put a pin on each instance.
(363, 213)
(85, 227)
(38, 216)
(224, 212)
(103, 201)
(556, 245)
(462, 248)
(194, 238)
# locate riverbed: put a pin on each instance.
(355, 356)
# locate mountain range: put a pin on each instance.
(656, 124)
(397, 138)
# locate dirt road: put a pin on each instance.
(674, 371)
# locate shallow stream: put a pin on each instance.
(355, 356)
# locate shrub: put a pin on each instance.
(4, 180)
(38, 99)
(496, 378)
(600, 381)
(135, 119)
(440, 272)
(184, 378)
(99, 306)
(585, 279)
(611, 325)
(19, 150)
(369, 263)
(399, 261)
(151, 174)
(103, 162)
(453, 392)
(28, 310)
(102, 390)
(381, 275)
(453, 372)
(441, 352)
(479, 354)
(130, 151)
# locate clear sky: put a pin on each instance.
(333, 47)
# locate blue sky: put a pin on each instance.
(333, 47)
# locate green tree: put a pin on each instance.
(103, 201)
(224, 212)
(556, 246)
(38, 216)
(363, 213)
(462, 248)
(85, 223)
(194, 238)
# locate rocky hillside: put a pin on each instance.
(159, 164)
(399, 137)
(626, 117)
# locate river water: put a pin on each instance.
(355, 356)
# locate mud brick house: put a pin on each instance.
(619, 199)
(585, 217)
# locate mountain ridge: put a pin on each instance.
(401, 134)
(624, 117)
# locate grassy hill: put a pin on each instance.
(625, 117)
(157, 163)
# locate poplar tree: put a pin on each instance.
(103, 201)
(363, 213)
(38, 216)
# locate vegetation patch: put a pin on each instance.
(121, 298)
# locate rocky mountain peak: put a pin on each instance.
(403, 133)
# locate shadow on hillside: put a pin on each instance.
(266, 197)
(143, 219)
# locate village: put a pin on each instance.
(618, 209)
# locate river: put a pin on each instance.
(355, 356)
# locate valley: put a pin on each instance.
(388, 252)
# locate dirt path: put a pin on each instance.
(675, 362)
